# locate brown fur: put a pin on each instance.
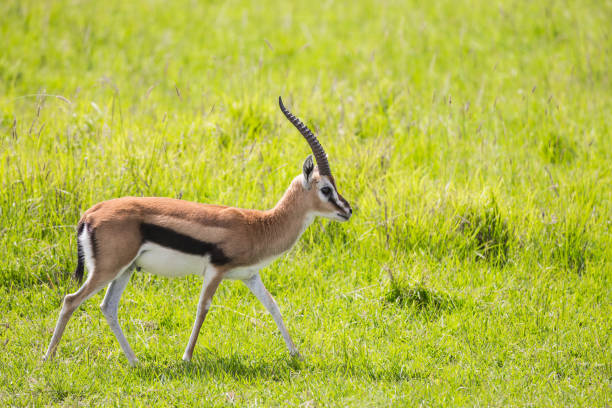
(245, 236)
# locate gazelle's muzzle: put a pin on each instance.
(344, 208)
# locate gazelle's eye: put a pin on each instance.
(326, 191)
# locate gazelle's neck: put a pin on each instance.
(283, 224)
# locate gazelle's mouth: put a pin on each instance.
(343, 216)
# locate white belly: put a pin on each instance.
(163, 261)
(247, 272)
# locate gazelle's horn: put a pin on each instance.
(315, 146)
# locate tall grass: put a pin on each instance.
(472, 139)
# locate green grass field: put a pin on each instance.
(473, 139)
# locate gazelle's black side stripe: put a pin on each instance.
(183, 243)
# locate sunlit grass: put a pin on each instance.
(472, 139)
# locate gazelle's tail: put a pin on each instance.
(78, 272)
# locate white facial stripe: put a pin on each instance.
(334, 198)
(342, 210)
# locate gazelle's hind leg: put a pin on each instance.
(71, 302)
(107, 258)
(110, 306)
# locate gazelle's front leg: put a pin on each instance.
(212, 278)
(260, 291)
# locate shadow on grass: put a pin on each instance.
(211, 365)
(276, 369)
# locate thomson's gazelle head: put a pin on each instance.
(318, 181)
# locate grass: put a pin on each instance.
(471, 137)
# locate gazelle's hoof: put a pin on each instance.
(134, 362)
(296, 354)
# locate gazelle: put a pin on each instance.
(172, 238)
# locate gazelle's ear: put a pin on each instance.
(308, 169)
